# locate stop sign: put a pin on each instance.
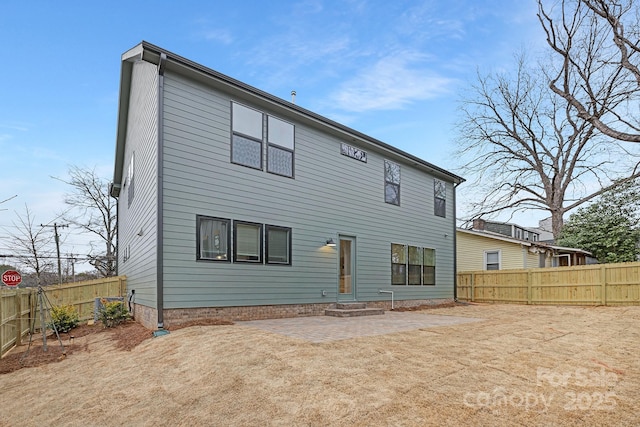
(11, 278)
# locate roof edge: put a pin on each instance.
(151, 53)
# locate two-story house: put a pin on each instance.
(237, 204)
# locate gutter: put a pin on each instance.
(159, 200)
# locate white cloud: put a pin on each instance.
(217, 35)
(392, 83)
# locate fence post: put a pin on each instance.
(18, 318)
(473, 290)
(2, 338)
(603, 284)
(529, 278)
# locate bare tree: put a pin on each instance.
(32, 244)
(597, 67)
(528, 150)
(93, 210)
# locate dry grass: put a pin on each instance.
(522, 365)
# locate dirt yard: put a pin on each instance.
(520, 366)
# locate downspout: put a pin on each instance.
(117, 254)
(159, 205)
(455, 246)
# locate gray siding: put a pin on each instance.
(140, 214)
(331, 194)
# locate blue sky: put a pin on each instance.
(393, 70)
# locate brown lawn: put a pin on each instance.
(520, 366)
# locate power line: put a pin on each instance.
(57, 237)
(67, 258)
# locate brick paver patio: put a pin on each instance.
(326, 328)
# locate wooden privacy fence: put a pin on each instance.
(600, 284)
(19, 308)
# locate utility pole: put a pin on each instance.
(57, 236)
(71, 258)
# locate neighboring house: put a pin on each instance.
(235, 203)
(492, 245)
(544, 231)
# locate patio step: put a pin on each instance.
(351, 305)
(352, 309)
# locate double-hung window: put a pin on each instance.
(278, 243)
(391, 183)
(415, 265)
(398, 264)
(247, 135)
(412, 265)
(247, 237)
(428, 266)
(247, 130)
(251, 243)
(492, 260)
(213, 238)
(280, 147)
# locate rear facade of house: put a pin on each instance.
(236, 204)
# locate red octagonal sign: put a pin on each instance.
(11, 278)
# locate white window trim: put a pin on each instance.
(499, 251)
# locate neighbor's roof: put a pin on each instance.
(496, 236)
(502, 237)
(153, 54)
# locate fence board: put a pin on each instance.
(19, 309)
(602, 284)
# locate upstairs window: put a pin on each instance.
(214, 236)
(247, 136)
(280, 147)
(129, 182)
(391, 183)
(439, 198)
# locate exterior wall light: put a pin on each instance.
(331, 243)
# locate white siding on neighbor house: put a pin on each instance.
(331, 194)
(139, 217)
(471, 250)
